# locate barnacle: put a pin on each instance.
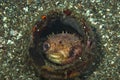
(63, 46)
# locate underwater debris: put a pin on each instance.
(63, 47)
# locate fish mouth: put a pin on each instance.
(54, 56)
(57, 57)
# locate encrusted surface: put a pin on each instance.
(17, 19)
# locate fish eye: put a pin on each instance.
(46, 46)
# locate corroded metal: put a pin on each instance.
(63, 46)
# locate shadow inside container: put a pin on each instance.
(98, 58)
